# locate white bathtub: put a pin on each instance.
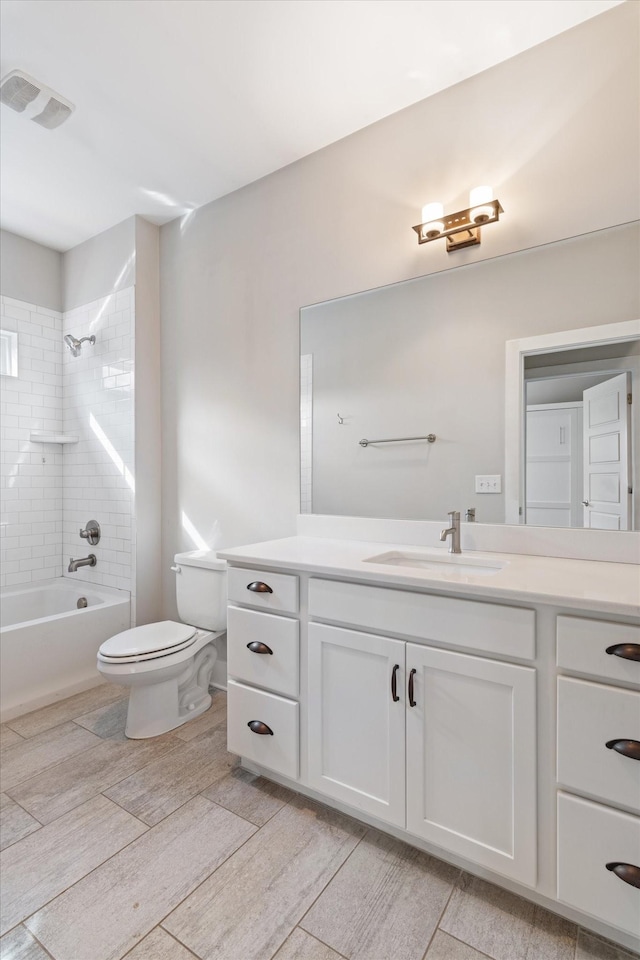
(48, 645)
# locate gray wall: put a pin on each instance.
(147, 423)
(555, 130)
(101, 265)
(30, 272)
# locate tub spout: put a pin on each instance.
(89, 561)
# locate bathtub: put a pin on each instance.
(48, 645)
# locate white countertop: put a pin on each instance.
(585, 585)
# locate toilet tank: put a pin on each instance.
(201, 589)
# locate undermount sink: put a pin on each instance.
(450, 565)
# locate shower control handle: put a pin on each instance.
(91, 533)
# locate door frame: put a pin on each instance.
(515, 403)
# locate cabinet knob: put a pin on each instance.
(257, 647)
(628, 748)
(394, 683)
(412, 673)
(257, 726)
(259, 587)
(627, 872)
(585, 503)
(626, 651)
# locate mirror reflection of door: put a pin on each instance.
(607, 438)
(577, 451)
(554, 465)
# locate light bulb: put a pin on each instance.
(432, 225)
(477, 197)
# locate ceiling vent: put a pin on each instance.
(35, 100)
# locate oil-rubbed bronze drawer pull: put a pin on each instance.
(412, 702)
(394, 683)
(257, 726)
(257, 647)
(628, 748)
(259, 587)
(626, 651)
(627, 872)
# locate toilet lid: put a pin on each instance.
(150, 638)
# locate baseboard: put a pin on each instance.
(19, 709)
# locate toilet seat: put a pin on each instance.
(148, 642)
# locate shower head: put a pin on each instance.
(75, 346)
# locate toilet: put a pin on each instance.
(168, 665)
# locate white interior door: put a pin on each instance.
(606, 441)
(553, 478)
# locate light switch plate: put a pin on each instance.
(489, 484)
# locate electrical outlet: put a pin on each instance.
(489, 484)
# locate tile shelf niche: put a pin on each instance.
(45, 436)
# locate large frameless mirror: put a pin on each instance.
(401, 365)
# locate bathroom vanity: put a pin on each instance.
(482, 707)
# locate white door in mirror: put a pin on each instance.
(606, 426)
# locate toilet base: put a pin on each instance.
(169, 696)
(154, 710)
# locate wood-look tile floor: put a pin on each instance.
(165, 849)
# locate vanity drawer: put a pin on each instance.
(281, 597)
(277, 670)
(488, 627)
(591, 836)
(583, 645)
(590, 715)
(278, 751)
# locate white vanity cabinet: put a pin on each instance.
(465, 777)
(598, 769)
(263, 719)
(471, 758)
(476, 728)
(356, 733)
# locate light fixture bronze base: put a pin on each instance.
(468, 238)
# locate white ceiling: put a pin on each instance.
(179, 102)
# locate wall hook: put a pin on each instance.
(340, 419)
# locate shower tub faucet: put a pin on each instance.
(89, 561)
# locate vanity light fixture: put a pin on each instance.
(461, 229)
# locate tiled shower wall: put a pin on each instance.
(99, 470)
(50, 491)
(31, 481)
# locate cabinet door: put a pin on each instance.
(471, 759)
(356, 728)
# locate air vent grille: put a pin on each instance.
(36, 101)
(53, 114)
(17, 92)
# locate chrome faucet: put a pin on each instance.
(89, 561)
(454, 530)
